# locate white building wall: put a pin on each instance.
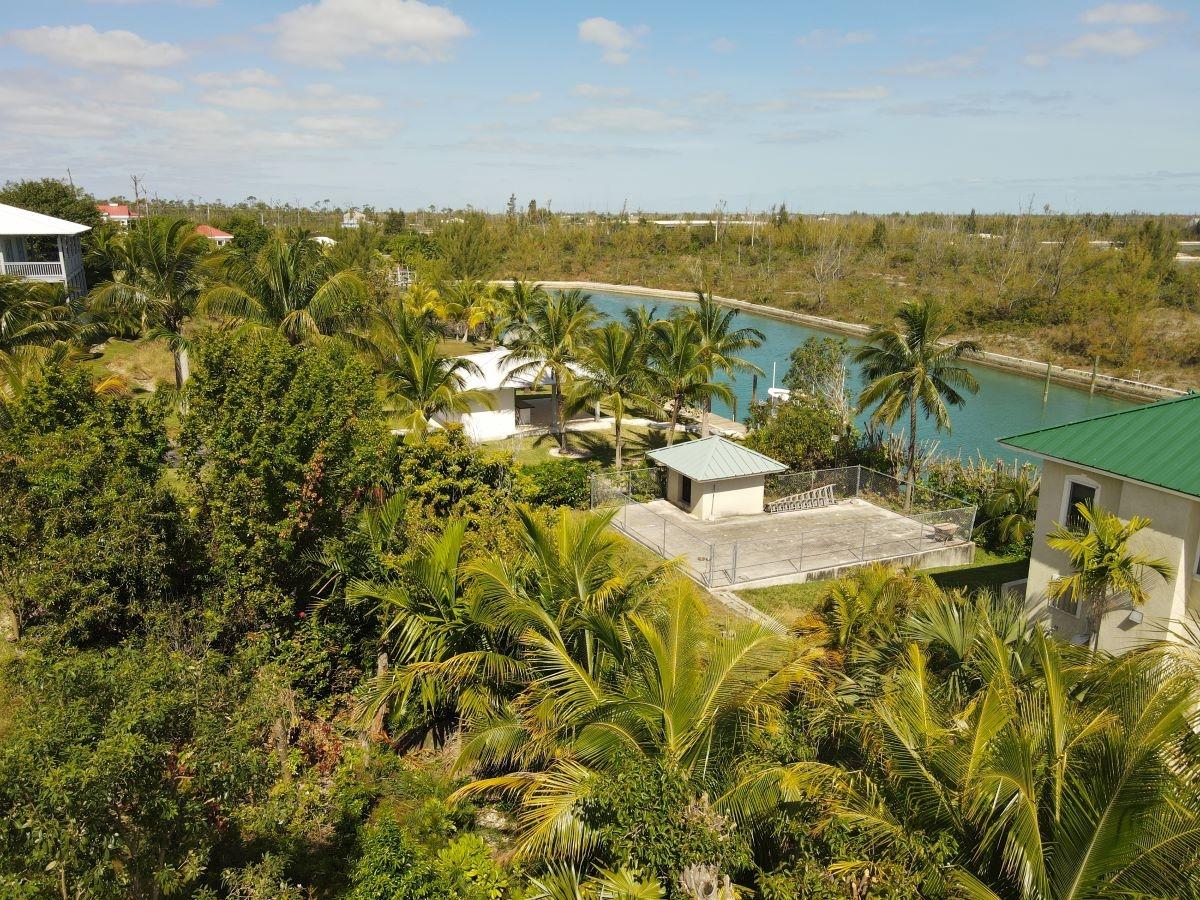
(718, 499)
(1174, 535)
(484, 424)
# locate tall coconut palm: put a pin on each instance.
(678, 371)
(424, 384)
(640, 322)
(547, 346)
(1106, 568)
(157, 281)
(290, 285)
(470, 302)
(516, 300)
(910, 367)
(721, 343)
(614, 374)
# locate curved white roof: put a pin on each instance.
(17, 221)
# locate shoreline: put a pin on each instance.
(1110, 385)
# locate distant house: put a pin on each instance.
(353, 219)
(216, 235)
(1140, 461)
(26, 235)
(117, 212)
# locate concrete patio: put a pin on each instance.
(790, 547)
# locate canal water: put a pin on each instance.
(1006, 403)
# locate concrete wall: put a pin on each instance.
(718, 499)
(483, 424)
(1174, 535)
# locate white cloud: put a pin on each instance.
(614, 39)
(82, 46)
(722, 45)
(355, 127)
(874, 92)
(252, 98)
(1120, 42)
(323, 33)
(523, 99)
(800, 136)
(637, 119)
(599, 90)
(260, 77)
(945, 67)
(822, 38)
(1129, 14)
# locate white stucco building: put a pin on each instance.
(714, 478)
(1142, 461)
(25, 235)
(500, 421)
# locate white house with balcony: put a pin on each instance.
(41, 248)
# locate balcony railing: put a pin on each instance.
(35, 271)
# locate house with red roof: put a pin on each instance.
(216, 235)
(117, 212)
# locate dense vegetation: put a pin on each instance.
(261, 646)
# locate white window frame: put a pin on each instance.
(1066, 498)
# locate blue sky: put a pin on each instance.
(663, 106)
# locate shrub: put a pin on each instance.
(561, 483)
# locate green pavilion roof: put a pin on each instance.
(1158, 444)
(715, 459)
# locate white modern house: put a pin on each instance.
(713, 477)
(1143, 461)
(26, 235)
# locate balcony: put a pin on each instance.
(34, 271)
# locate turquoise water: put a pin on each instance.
(1006, 403)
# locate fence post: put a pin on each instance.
(857, 480)
(863, 555)
(664, 542)
(712, 553)
(733, 566)
(625, 515)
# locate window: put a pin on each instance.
(1078, 491)
(1068, 603)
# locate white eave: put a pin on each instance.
(17, 221)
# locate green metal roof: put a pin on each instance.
(714, 459)
(1158, 444)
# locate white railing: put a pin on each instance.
(40, 271)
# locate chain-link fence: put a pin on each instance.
(842, 517)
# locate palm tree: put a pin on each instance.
(678, 692)
(423, 383)
(910, 366)
(158, 280)
(471, 302)
(290, 285)
(678, 372)
(720, 343)
(547, 345)
(1105, 566)
(1012, 509)
(640, 322)
(614, 374)
(516, 301)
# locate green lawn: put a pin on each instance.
(145, 364)
(989, 571)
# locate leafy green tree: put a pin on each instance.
(561, 482)
(1106, 567)
(472, 303)
(157, 280)
(549, 344)
(280, 444)
(249, 234)
(92, 548)
(817, 371)
(290, 285)
(121, 771)
(468, 247)
(678, 371)
(800, 434)
(910, 367)
(52, 197)
(614, 375)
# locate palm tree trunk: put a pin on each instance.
(704, 417)
(912, 450)
(678, 399)
(617, 438)
(182, 370)
(560, 416)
